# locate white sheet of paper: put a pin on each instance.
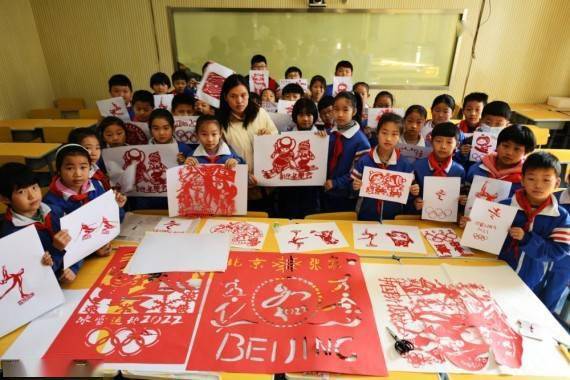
(282, 121)
(27, 287)
(114, 107)
(163, 101)
(91, 227)
(258, 80)
(341, 84)
(135, 226)
(387, 237)
(176, 225)
(413, 152)
(291, 159)
(140, 170)
(300, 81)
(270, 107)
(206, 190)
(374, 115)
(518, 302)
(489, 225)
(387, 185)
(489, 189)
(244, 234)
(210, 87)
(185, 129)
(161, 252)
(483, 143)
(445, 242)
(441, 198)
(285, 107)
(309, 237)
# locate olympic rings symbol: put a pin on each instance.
(441, 236)
(479, 236)
(185, 136)
(438, 213)
(126, 341)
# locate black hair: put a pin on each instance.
(326, 101)
(179, 99)
(143, 96)
(318, 78)
(416, 108)
(159, 78)
(478, 97)
(161, 113)
(542, 160)
(203, 119)
(120, 80)
(224, 112)
(445, 99)
(304, 106)
(205, 65)
(77, 135)
(269, 89)
(292, 88)
(70, 150)
(390, 117)
(362, 84)
(445, 130)
(15, 176)
(258, 58)
(254, 97)
(497, 108)
(384, 93)
(520, 135)
(179, 75)
(108, 121)
(349, 96)
(293, 69)
(346, 64)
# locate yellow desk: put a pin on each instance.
(37, 155)
(30, 129)
(539, 114)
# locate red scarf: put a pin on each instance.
(337, 152)
(45, 226)
(212, 159)
(530, 214)
(438, 169)
(513, 175)
(465, 127)
(102, 177)
(82, 198)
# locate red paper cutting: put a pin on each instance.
(387, 184)
(242, 233)
(135, 135)
(16, 279)
(213, 85)
(291, 161)
(150, 177)
(272, 313)
(133, 319)
(206, 190)
(460, 323)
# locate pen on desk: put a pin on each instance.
(564, 349)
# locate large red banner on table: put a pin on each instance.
(133, 319)
(271, 313)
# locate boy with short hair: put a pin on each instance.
(440, 162)
(293, 72)
(326, 112)
(292, 92)
(539, 238)
(143, 104)
(183, 105)
(160, 83)
(259, 62)
(513, 143)
(342, 69)
(496, 114)
(120, 86)
(180, 83)
(20, 191)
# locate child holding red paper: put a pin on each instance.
(20, 191)
(346, 145)
(440, 162)
(87, 138)
(384, 156)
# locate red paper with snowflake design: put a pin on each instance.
(459, 323)
(272, 313)
(133, 319)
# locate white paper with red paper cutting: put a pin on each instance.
(387, 237)
(309, 237)
(341, 84)
(258, 80)
(185, 129)
(210, 87)
(387, 185)
(489, 189)
(441, 198)
(163, 101)
(285, 107)
(300, 81)
(374, 115)
(482, 144)
(114, 107)
(243, 234)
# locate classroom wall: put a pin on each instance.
(85, 41)
(24, 79)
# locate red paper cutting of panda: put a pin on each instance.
(387, 185)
